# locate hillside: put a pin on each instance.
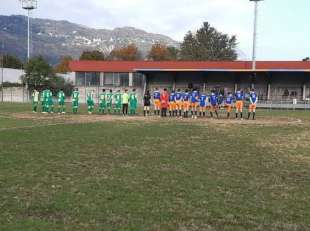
(54, 39)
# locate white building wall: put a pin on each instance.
(12, 75)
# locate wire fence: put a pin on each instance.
(14, 94)
(285, 104)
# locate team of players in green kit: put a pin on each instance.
(109, 102)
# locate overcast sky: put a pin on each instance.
(283, 32)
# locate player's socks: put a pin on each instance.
(228, 115)
(253, 115)
(236, 115)
(249, 114)
(217, 115)
(200, 114)
(241, 115)
(211, 114)
(204, 114)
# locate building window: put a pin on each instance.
(124, 79)
(108, 79)
(116, 79)
(92, 78)
(138, 80)
(87, 79)
(80, 79)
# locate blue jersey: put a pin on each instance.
(186, 96)
(156, 95)
(172, 97)
(178, 96)
(213, 99)
(194, 97)
(253, 98)
(229, 100)
(203, 100)
(239, 95)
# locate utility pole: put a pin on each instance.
(29, 5)
(255, 33)
(2, 66)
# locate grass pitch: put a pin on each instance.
(109, 173)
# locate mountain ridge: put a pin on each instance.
(54, 39)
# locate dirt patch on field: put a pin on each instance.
(69, 118)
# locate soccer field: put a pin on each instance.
(81, 172)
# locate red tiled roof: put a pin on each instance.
(131, 66)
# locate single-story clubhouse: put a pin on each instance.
(273, 80)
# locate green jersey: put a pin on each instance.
(45, 95)
(103, 98)
(118, 98)
(133, 98)
(75, 96)
(90, 97)
(61, 97)
(109, 98)
(42, 96)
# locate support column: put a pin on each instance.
(237, 80)
(236, 87)
(174, 84)
(130, 79)
(252, 85)
(144, 83)
(101, 78)
(304, 89)
(205, 84)
(253, 80)
(268, 91)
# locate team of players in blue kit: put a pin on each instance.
(193, 103)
